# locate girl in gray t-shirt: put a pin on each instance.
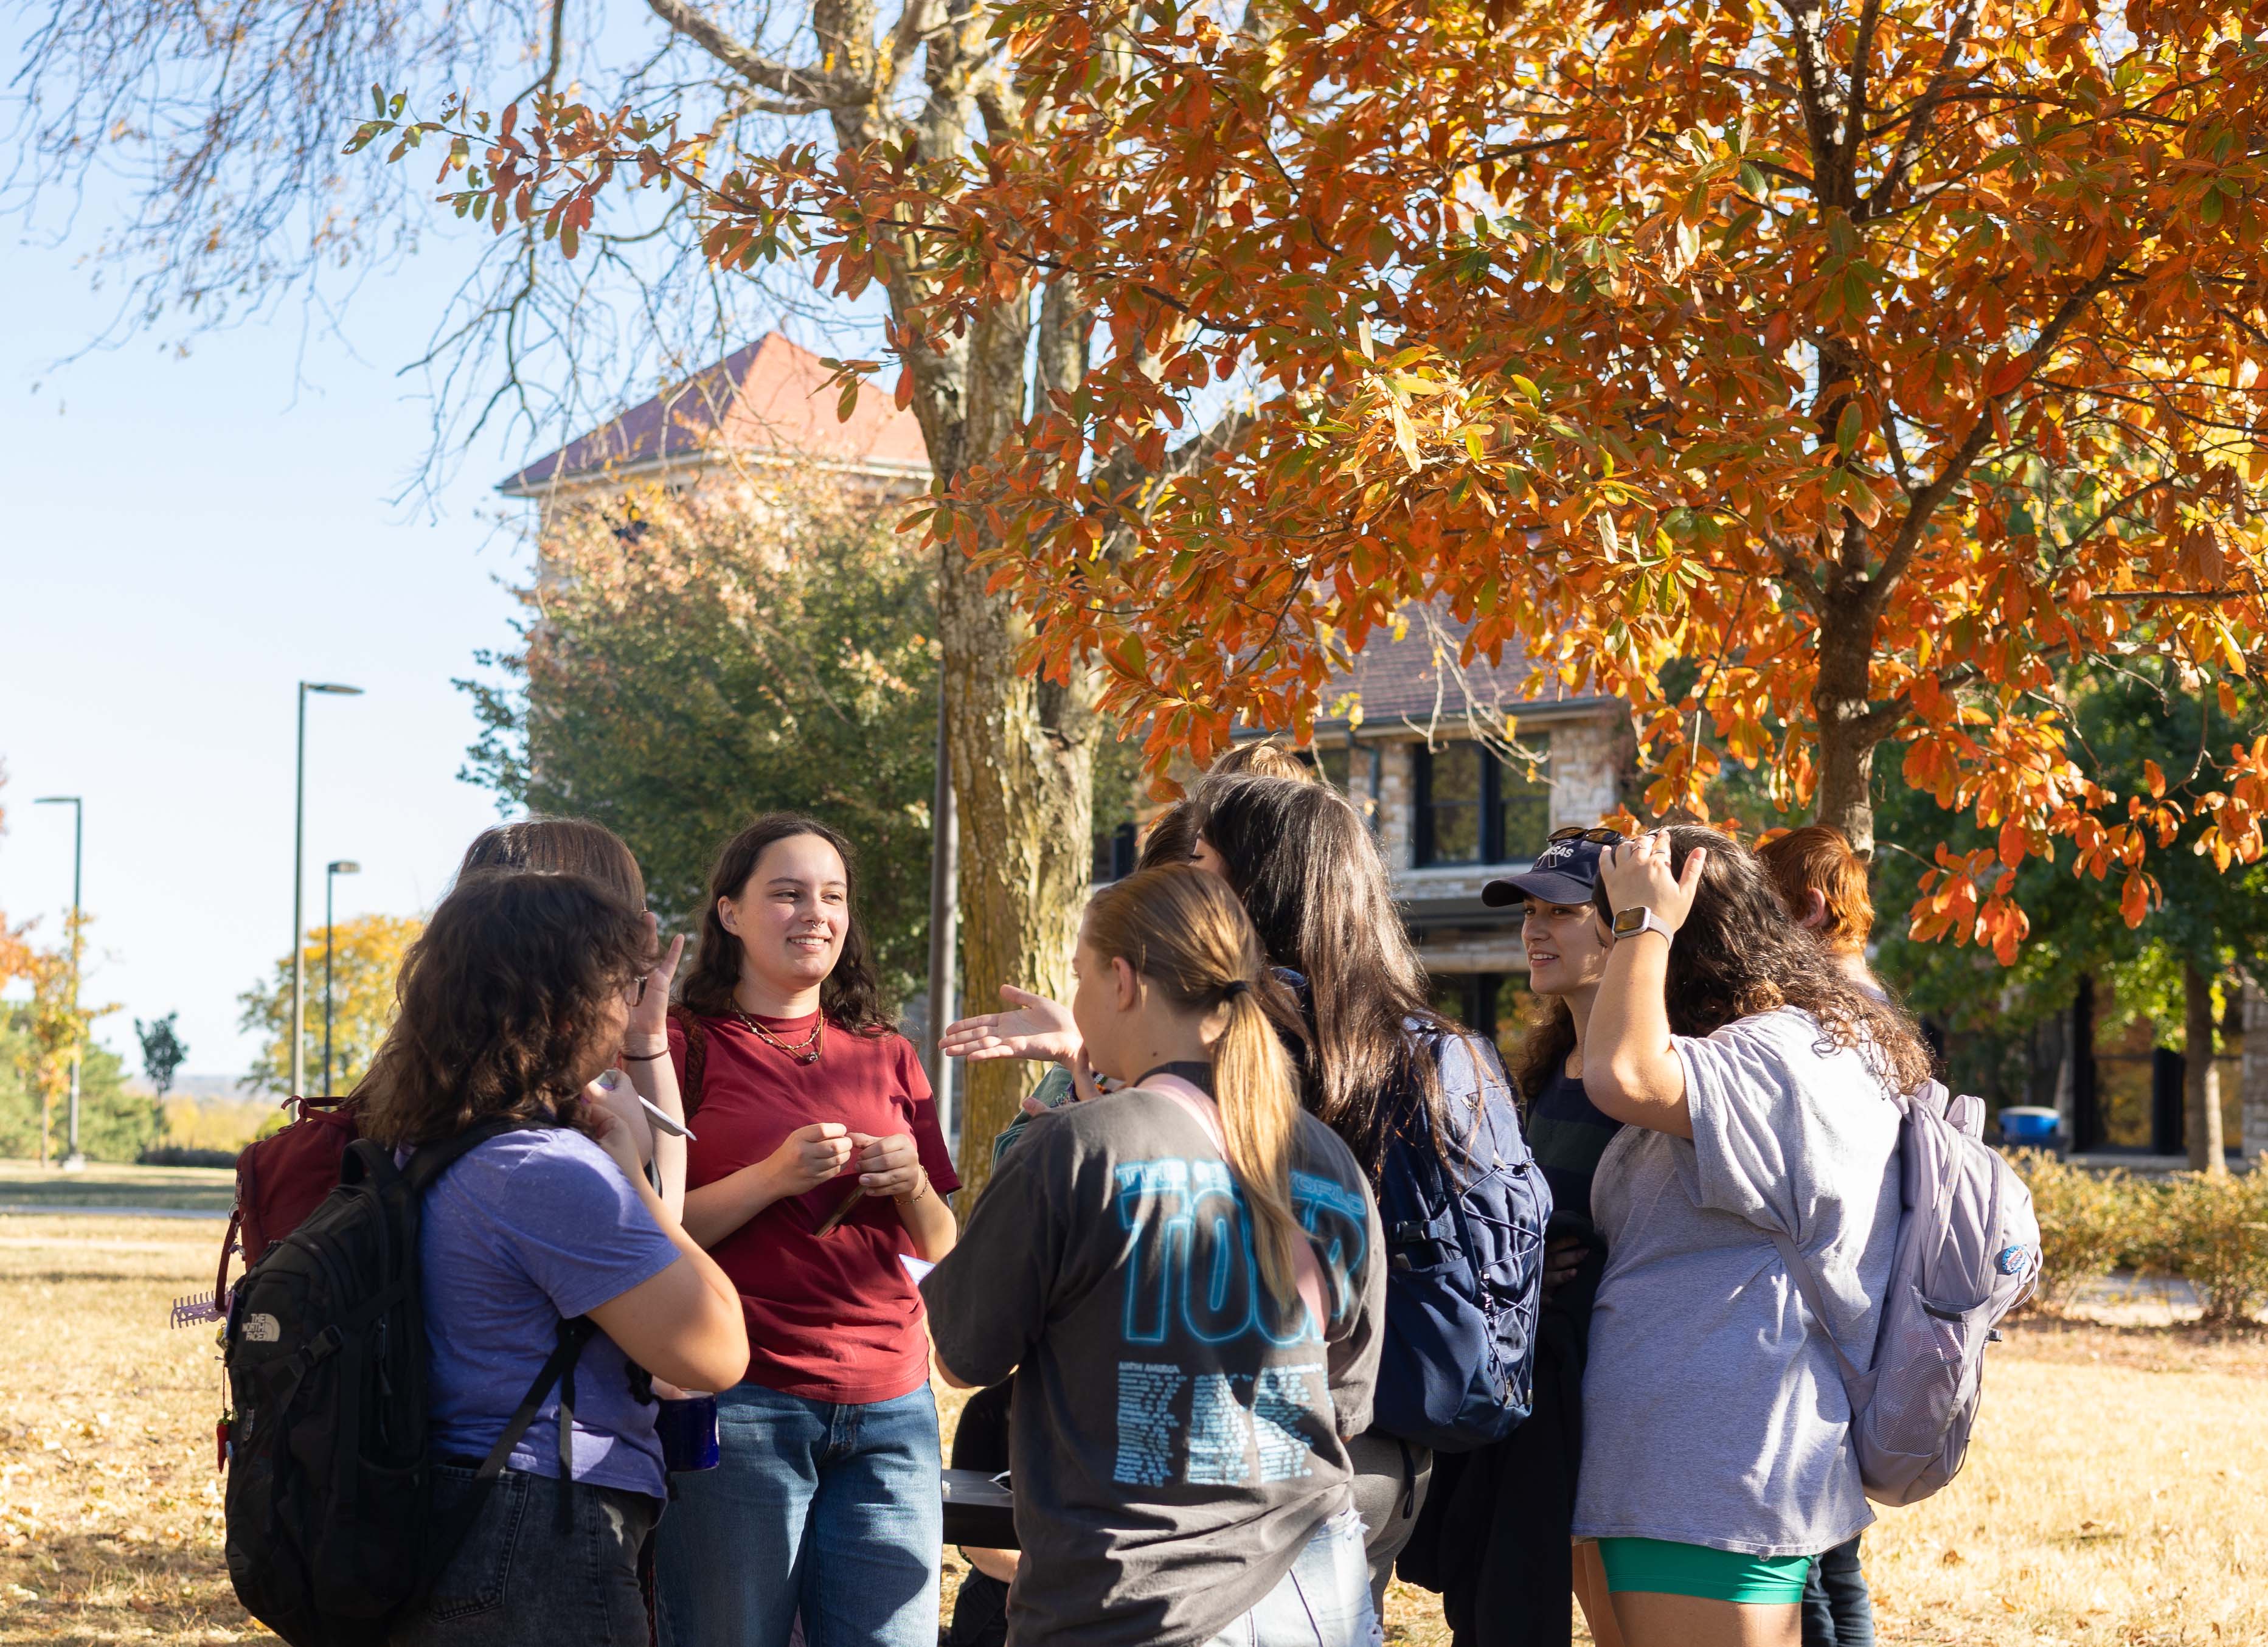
(1754, 1082)
(1187, 1278)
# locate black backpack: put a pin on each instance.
(330, 1488)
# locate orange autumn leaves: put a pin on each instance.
(1684, 351)
(1820, 381)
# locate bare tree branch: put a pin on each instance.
(800, 85)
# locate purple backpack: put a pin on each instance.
(1968, 1252)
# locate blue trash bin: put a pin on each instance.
(2030, 1127)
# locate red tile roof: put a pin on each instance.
(1416, 678)
(769, 398)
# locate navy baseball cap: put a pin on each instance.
(1565, 871)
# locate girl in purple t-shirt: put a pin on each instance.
(516, 996)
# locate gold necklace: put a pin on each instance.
(804, 1051)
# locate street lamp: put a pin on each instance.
(74, 1161)
(331, 873)
(299, 890)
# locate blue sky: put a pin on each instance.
(186, 539)
(188, 536)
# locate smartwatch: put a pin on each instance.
(1638, 918)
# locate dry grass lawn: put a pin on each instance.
(2119, 1492)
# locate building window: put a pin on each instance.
(1495, 1005)
(2130, 1093)
(1475, 808)
(1116, 852)
(1354, 772)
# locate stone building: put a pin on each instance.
(1416, 740)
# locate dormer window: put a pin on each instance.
(1476, 808)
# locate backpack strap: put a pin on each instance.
(696, 1058)
(227, 1247)
(559, 1370)
(425, 1165)
(1858, 1385)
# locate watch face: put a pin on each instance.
(1630, 921)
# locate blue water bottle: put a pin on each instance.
(687, 1430)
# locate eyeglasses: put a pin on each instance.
(1598, 836)
(634, 991)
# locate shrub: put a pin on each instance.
(2087, 1221)
(2213, 1231)
(184, 1155)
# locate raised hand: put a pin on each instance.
(1637, 875)
(1035, 1027)
(811, 1156)
(649, 1025)
(627, 1139)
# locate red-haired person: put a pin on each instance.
(1824, 885)
(816, 1167)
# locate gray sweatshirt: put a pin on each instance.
(1713, 1413)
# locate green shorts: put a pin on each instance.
(1659, 1568)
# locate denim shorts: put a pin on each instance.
(519, 1579)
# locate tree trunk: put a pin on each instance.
(1023, 758)
(2200, 1075)
(1848, 730)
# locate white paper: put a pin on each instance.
(917, 1267)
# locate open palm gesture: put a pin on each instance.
(1035, 1028)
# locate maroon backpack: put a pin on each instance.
(283, 1178)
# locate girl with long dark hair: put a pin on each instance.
(1823, 883)
(516, 996)
(1310, 877)
(1757, 1082)
(817, 1166)
(1185, 1275)
(1384, 1062)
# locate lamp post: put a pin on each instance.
(299, 889)
(944, 898)
(331, 873)
(73, 1161)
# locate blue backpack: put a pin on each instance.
(1464, 1260)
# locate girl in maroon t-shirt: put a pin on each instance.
(817, 1163)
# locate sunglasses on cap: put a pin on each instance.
(1597, 835)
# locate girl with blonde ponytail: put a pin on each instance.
(1198, 951)
(1187, 1276)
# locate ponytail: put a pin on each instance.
(1259, 1097)
(1183, 929)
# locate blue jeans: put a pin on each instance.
(832, 1511)
(1323, 1602)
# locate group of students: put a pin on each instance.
(1175, 1294)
